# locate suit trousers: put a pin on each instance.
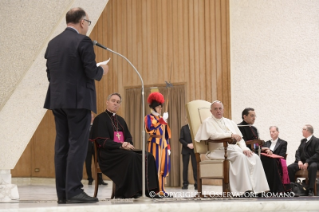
(72, 135)
(185, 168)
(312, 172)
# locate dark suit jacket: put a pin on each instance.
(308, 152)
(186, 138)
(71, 71)
(280, 148)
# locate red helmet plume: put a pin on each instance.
(155, 96)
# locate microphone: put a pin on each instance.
(99, 45)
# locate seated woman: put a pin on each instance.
(275, 168)
(117, 158)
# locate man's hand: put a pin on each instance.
(269, 152)
(300, 164)
(105, 69)
(236, 137)
(190, 146)
(248, 153)
(127, 146)
(305, 166)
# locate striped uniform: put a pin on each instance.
(158, 146)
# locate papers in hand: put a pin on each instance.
(104, 62)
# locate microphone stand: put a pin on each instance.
(143, 198)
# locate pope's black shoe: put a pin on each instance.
(82, 198)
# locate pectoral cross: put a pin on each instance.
(118, 135)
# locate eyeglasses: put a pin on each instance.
(87, 21)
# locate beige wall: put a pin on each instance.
(274, 65)
(27, 26)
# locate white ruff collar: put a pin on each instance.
(154, 113)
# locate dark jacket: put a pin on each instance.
(186, 138)
(71, 71)
(308, 152)
(280, 148)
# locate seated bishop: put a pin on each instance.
(245, 170)
(118, 158)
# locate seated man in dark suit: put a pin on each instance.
(275, 145)
(275, 168)
(307, 157)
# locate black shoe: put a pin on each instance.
(82, 198)
(310, 193)
(195, 187)
(101, 182)
(185, 187)
(90, 182)
(61, 201)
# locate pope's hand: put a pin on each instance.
(165, 116)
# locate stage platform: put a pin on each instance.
(40, 195)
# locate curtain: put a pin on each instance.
(175, 97)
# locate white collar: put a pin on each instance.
(274, 141)
(154, 113)
(309, 138)
(111, 112)
(218, 120)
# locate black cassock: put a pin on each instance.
(123, 167)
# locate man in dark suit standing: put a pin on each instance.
(71, 71)
(307, 157)
(275, 145)
(187, 150)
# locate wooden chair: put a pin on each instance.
(197, 111)
(256, 141)
(304, 174)
(97, 171)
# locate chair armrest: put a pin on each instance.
(256, 141)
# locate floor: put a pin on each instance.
(39, 195)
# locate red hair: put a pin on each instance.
(155, 96)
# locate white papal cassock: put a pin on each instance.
(245, 173)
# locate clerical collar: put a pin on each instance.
(154, 113)
(110, 113)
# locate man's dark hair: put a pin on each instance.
(246, 112)
(74, 15)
